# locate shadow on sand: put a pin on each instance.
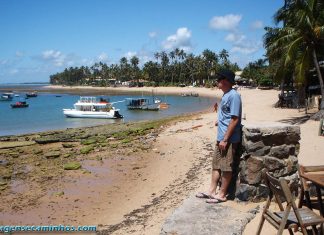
(296, 120)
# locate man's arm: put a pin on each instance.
(234, 121)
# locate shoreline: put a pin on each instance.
(147, 186)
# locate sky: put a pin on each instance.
(42, 37)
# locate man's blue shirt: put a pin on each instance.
(230, 105)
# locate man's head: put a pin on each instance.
(225, 79)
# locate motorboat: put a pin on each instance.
(31, 94)
(20, 104)
(142, 104)
(6, 96)
(92, 107)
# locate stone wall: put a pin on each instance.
(274, 146)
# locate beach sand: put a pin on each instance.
(149, 186)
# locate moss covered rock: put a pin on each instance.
(87, 149)
(72, 166)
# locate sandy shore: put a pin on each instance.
(150, 185)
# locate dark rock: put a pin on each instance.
(251, 146)
(272, 163)
(282, 151)
(263, 151)
(245, 192)
(254, 137)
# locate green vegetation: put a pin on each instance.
(174, 68)
(297, 47)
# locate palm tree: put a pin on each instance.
(210, 58)
(134, 62)
(172, 55)
(299, 42)
(223, 55)
(164, 62)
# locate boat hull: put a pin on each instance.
(98, 115)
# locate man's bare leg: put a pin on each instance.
(226, 179)
(214, 181)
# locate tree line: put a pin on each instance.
(168, 68)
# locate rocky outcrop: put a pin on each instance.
(273, 146)
(195, 216)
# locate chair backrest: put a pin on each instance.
(278, 188)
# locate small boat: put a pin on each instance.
(31, 94)
(6, 96)
(92, 107)
(142, 104)
(19, 104)
(193, 94)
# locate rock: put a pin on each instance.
(86, 149)
(88, 141)
(251, 173)
(282, 151)
(272, 163)
(53, 138)
(15, 144)
(67, 155)
(72, 166)
(14, 154)
(67, 145)
(58, 194)
(254, 137)
(38, 151)
(196, 216)
(52, 155)
(262, 152)
(253, 146)
(245, 192)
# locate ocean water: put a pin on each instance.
(45, 112)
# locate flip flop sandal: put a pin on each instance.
(202, 195)
(215, 200)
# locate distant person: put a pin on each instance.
(228, 138)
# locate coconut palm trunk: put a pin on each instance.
(320, 78)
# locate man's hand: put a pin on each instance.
(222, 145)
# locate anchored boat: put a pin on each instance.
(92, 107)
(6, 96)
(20, 104)
(142, 104)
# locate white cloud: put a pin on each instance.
(56, 57)
(181, 39)
(258, 24)
(246, 47)
(235, 37)
(152, 34)
(227, 22)
(130, 54)
(19, 54)
(4, 62)
(103, 57)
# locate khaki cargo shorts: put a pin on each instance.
(223, 159)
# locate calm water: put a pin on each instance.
(45, 112)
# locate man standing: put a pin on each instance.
(228, 138)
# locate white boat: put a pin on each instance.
(92, 107)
